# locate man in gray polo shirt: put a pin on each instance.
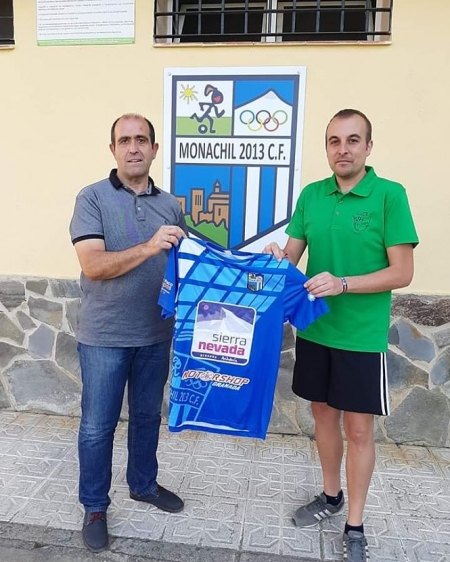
(122, 229)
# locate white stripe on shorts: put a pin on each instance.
(384, 389)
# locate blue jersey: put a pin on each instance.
(230, 307)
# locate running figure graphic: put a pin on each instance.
(216, 99)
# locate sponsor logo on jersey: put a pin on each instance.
(223, 332)
(209, 376)
(166, 286)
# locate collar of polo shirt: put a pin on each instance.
(114, 179)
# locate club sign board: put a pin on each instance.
(232, 150)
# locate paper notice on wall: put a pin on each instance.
(85, 22)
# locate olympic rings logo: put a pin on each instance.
(263, 118)
(176, 367)
(196, 384)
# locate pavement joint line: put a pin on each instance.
(33, 543)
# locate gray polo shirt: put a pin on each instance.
(123, 312)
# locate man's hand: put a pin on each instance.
(164, 239)
(397, 275)
(275, 250)
(324, 285)
(293, 250)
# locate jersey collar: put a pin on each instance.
(363, 188)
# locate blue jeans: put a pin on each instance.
(104, 373)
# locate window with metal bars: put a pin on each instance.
(6, 22)
(234, 21)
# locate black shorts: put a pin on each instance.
(352, 381)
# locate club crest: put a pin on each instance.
(233, 153)
(255, 281)
(361, 221)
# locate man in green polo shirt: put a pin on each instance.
(360, 237)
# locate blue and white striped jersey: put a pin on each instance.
(230, 309)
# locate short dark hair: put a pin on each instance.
(344, 113)
(151, 129)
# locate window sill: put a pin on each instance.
(7, 47)
(280, 44)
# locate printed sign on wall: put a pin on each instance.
(232, 147)
(80, 22)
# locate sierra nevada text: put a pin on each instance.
(224, 344)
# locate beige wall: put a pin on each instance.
(57, 104)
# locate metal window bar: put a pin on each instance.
(272, 14)
(222, 17)
(246, 17)
(344, 10)
(176, 20)
(368, 5)
(366, 13)
(294, 15)
(270, 17)
(317, 17)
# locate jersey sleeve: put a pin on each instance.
(300, 308)
(398, 223)
(169, 288)
(86, 221)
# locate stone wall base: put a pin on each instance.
(39, 369)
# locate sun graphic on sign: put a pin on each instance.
(188, 93)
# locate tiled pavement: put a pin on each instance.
(239, 493)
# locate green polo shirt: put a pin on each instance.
(347, 234)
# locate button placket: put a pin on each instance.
(336, 214)
(341, 200)
(140, 215)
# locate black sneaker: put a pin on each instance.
(355, 547)
(313, 512)
(162, 499)
(95, 531)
